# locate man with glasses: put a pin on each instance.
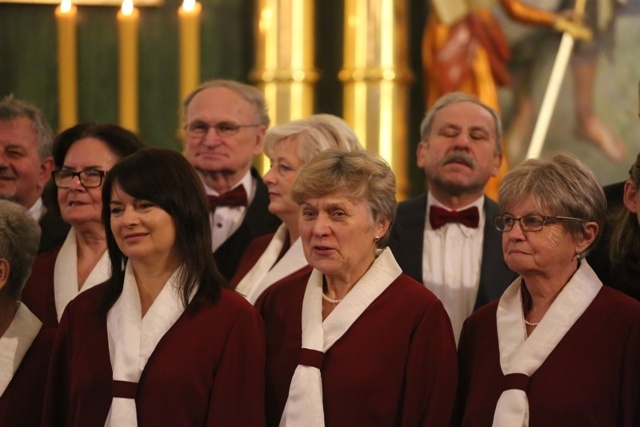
(446, 237)
(225, 122)
(26, 165)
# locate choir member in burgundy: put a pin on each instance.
(558, 348)
(25, 343)
(354, 341)
(83, 154)
(161, 342)
(289, 146)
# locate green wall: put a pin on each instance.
(28, 67)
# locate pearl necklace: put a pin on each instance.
(526, 322)
(331, 300)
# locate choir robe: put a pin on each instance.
(54, 280)
(207, 370)
(395, 366)
(21, 403)
(38, 293)
(591, 378)
(251, 255)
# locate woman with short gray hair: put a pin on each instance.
(270, 258)
(354, 341)
(558, 348)
(25, 345)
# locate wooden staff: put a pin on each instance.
(553, 88)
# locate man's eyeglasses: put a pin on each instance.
(223, 129)
(529, 222)
(89, 178)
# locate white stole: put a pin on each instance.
(15, 343)
(133, 338)
(65, 273)
(267, 271)
(520, 354)
(304, 405)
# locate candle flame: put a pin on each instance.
(188, 5)
(127, 7)
(65, 6)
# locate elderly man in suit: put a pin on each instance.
(445, 238)
(225, 122)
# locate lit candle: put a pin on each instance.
(128, 18)
(189, 23)
(66, 15)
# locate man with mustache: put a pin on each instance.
(445, 238)
(26, 165)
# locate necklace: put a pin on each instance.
(526, 322)
(331, 300)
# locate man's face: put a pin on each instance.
(212, 153)
(460, 154)
(22, 173)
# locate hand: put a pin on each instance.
(577, 30)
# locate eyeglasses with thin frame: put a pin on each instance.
(529, 222)
(223, 129)
(89, 178)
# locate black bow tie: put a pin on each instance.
(439, 217)
(235, 197)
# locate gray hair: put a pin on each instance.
(455, 98)
(625, 236)
(12, 108)
(560, 186)
(360, 174)
(19, 241)
(251, 94)
(314, 134)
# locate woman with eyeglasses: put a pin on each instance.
(558, 348)
(83, 154)
(162, 342)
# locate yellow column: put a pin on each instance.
(284, 59)
(128, 18)
(189, 24)
(66, 16)
(376, 77)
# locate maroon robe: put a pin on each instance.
(21, 403)
(395, 366)
(591, 378)
(251, 255)
(207, 370)
(38, 293)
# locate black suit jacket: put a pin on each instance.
(598, 258)
(54, 231)
(406, 243)
(257, 222)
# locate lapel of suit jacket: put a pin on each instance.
(408, 236)
(491, 286)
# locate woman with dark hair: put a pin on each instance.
(624, 242)
(161, 342)
(82, 154)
